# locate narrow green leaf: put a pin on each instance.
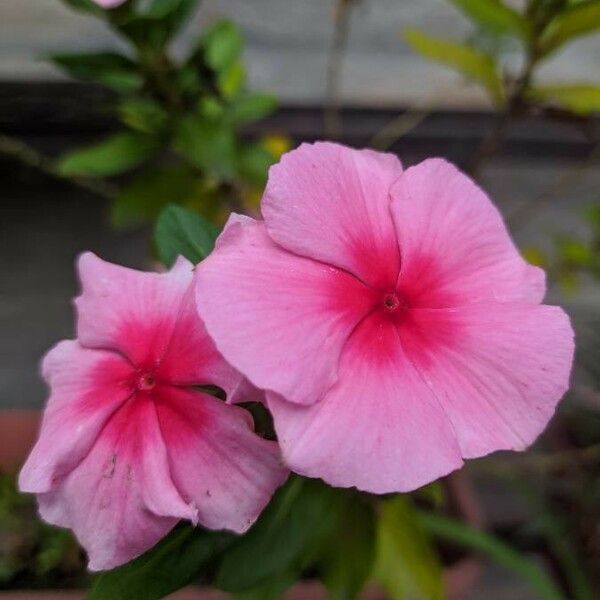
(143, 114)
(173, 563)
(576, 21)
(180, 232)
(407, 565)
(582, 99)
(252, 107)
(231, 80)
(466, 537)
(116, 154)
(472, 63)
(223, 45)
(147, 194)
(108, 68)
(83, 6)
(495, 16)
(349, 553)
(208, 144)
(287, 536)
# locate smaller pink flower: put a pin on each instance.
(108, 4)
(127, 447)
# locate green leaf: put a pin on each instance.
(231, 81)
(252, 107)
(223, 45)
(466, 537)
(472, 63)
(495, 16)
(576, 21)
(143, 114)
(407, 565)
(83, 6)
(179, 231)
(287, 536)
(172, 564)
(108, 68)
(254, 161)
(116, 154)
(574, 252)
(147, 194)
(349, 553)
(581, 99)
(208, 144)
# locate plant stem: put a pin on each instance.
(30, 157)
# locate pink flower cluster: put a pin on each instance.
(383, 315)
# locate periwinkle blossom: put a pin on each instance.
(127, 446)
(389, 317)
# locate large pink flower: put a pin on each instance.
(127, 447)
(388, 316)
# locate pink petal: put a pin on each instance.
(454, 245)
(217, 461)
(129, 311)
(87, 387)
(379, 428)
(280, 319)
(498, 370)
(120, 500)
(332, 203)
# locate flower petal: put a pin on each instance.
(332, 203)
(498, 370)
(454, 246)
(120, 500)
(280, 319)
(87, 387)
(379, 429)
(127, 310)
(217, 461)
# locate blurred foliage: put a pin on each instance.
(536, 31)
(30, 550)
(181, 119)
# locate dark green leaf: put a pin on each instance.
(143, 198)
(109, 68)
(407, 565)
(495, 16)
(581, 19)
(252, 107)
(472, 63)
(254, 161)
(143, 114)
(223, 45)
(288, 536)
(466, 537)
(172, 564)
(208, 144)
(116, 154)
(180, 232)
(84, 6)
(581, 99)
(349, 553)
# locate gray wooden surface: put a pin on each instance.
(287, 48)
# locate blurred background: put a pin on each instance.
(106, 122)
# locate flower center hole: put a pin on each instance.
(146, 382)
(391, 302)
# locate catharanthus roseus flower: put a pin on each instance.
(388, 316)
(127, 447)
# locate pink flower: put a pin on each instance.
(127, 447)
(388, 316)
(108, 4)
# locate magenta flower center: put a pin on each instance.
(391, 302)
(146, 382)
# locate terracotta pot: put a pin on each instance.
(18, 430)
